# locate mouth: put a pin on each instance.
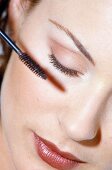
(51, 154)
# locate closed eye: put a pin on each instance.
(67, 71)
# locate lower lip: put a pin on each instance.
(52, 158)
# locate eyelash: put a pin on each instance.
(63, 69)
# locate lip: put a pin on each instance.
(52, 155)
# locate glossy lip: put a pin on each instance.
(52, 148)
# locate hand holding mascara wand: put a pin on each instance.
(27, 60)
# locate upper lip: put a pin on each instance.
(54, 148)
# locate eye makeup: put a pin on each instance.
(76, 42)
(67, 71)
(70, 63)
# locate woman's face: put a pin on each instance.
(72, 112)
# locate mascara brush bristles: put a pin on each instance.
(26, 59)
(32, 65)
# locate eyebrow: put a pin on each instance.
(74, 39)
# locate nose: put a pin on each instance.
(82, 120)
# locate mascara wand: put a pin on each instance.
(26, 59)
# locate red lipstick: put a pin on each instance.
(53, 156)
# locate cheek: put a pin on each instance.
(27, 95)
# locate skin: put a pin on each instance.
(80, 116)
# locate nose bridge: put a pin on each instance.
(84, 126)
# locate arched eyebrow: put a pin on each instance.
(75, 40)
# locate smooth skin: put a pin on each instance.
(81, 114)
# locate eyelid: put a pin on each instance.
(65, 56)
(63, 69)
(65, 46)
